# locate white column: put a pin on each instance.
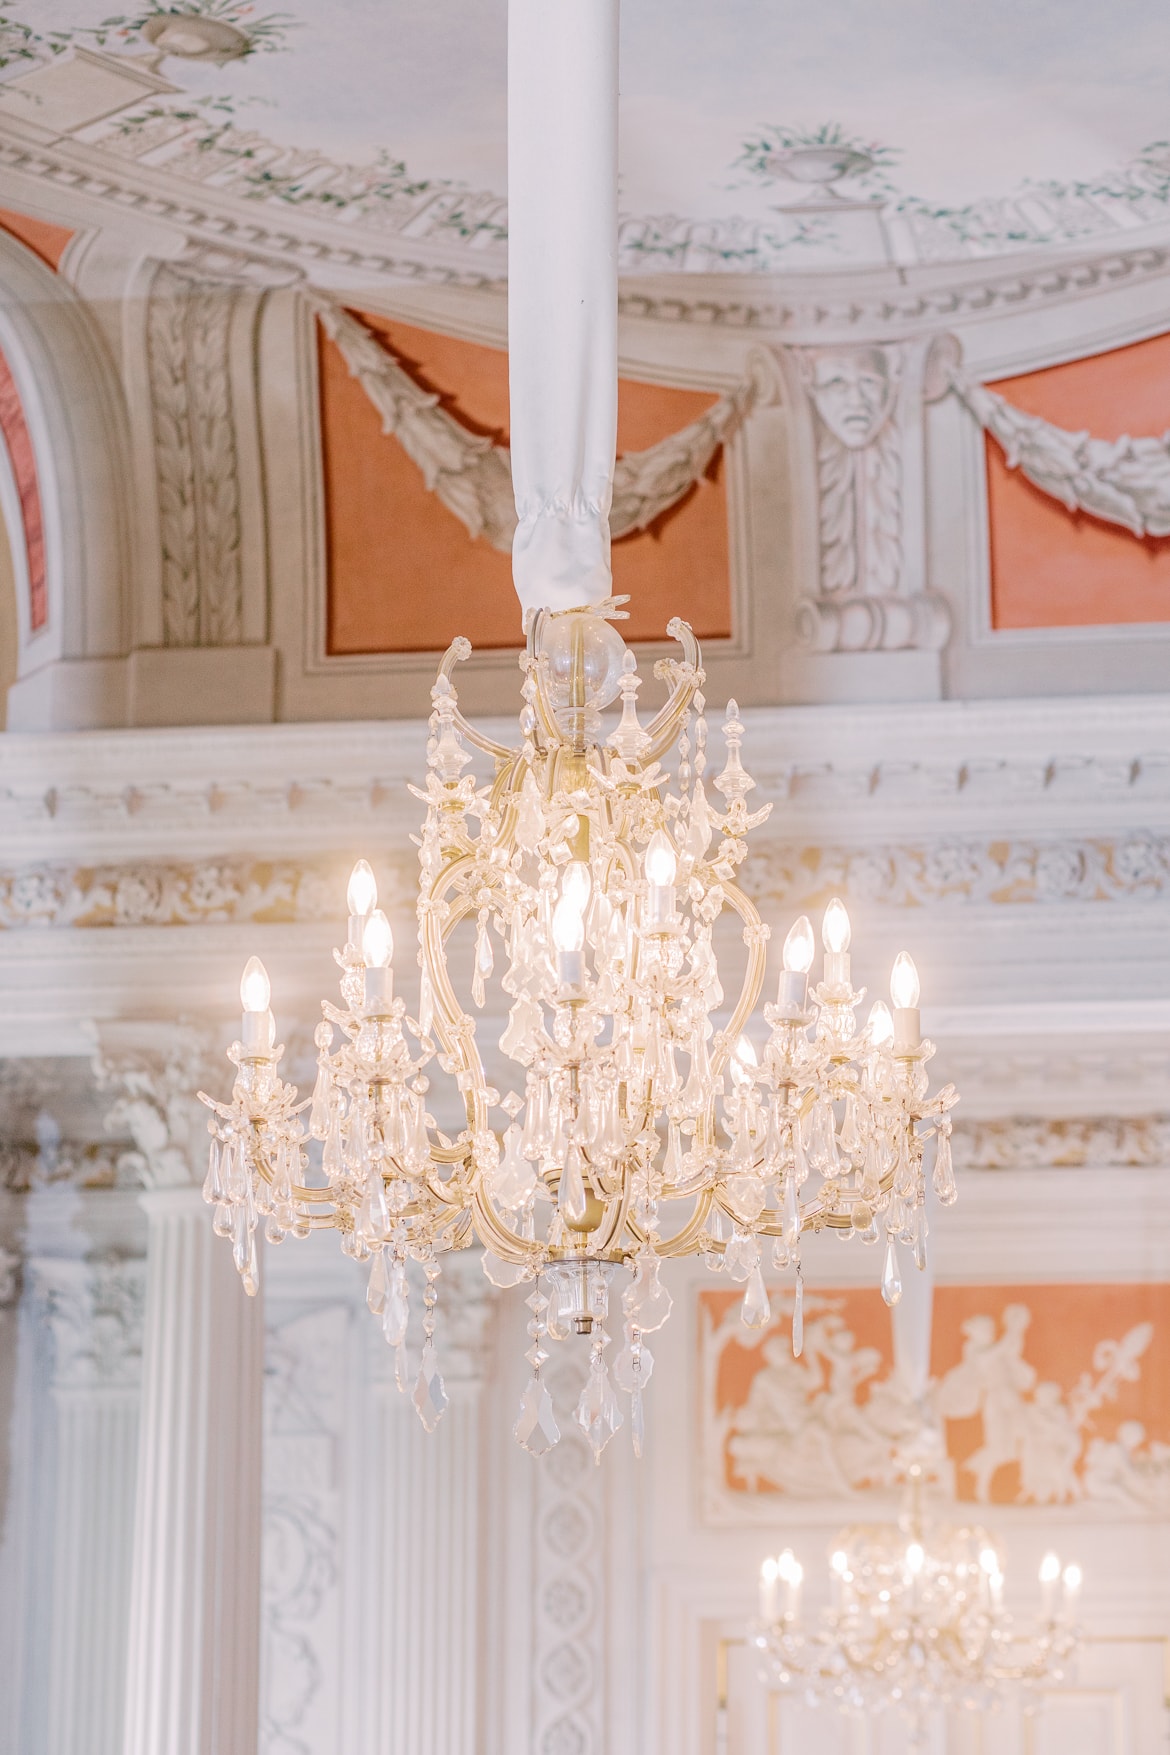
(192, 1674)
(193, 1669)
(94, 1311)
(422, 1515)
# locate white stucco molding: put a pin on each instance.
(73, 405)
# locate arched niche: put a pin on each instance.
(70, 669)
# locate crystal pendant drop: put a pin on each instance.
(572, 1192)
(798, 1317)
(646, 1302)
(213, 1187)
(790, 1213)
(319, 1112)
(634, 1365)
(376, 1286)
(514, 1179)
(637, 1422)
(757, 1310)
(920, 1240)
(536, 1429)
(502, 1273)
(822, 1141)
(891, 1276)
(944, 1170)
(396, 1311)
(430, 1397)
(598, 1413)
(741, 1255)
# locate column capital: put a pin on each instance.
(156, 1069)
(94, 1311)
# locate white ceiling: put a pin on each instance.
(973, 99)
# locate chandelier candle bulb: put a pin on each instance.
(568, 931)
(259, 1026)
(905, 992)
(661, 868)
(1071, 1582)
(769, 1590)
(1049, 1578)
(361, 899)
(378, 949)
(836, 934)
(799, 947)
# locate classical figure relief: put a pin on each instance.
(1048, 1395)
(865, 406)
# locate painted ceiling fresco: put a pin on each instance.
(805, 136)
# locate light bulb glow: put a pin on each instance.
(1049, 1569)
(377, 941)
(255, 987)
(661, 862)
(836, 931)
(1073, 1578)
(745, 1052)
(915, 1558)
(881, 1024)
(568, 926)
(577, 884)
(770, 1570)
(362, 893)
(840, 1562)
(788, 1567)
(989, 1560)
(905, 988)
(799, 947)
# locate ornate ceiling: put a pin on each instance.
(788, 131)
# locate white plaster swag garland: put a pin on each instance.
(473, 477)
(1122, 481)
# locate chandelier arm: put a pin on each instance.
(685, 1241)
(755, 938)
(457, 652)
(496, 1236)
(663, 728)
(302, 1195)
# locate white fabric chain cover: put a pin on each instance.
(562, 295)
(1122, 481)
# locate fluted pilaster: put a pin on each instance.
(192, 1674)
(94, 1311)
(424, 1610)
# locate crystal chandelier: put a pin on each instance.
(639, 1122)
(916, 1621)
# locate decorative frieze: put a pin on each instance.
(217, 892)
(1092, 1143)
(962, 870)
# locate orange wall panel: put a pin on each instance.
(1053, 568)
(45, 240)
(17, 440)
(402, 573)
